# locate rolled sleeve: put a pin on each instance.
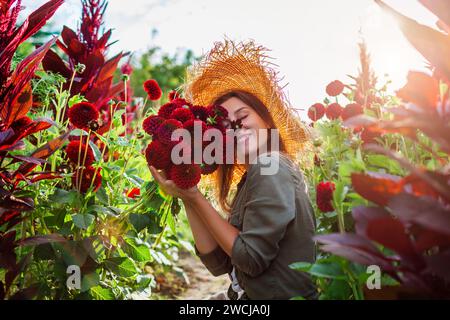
(216, 261)
(269, 209)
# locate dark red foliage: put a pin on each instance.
(86, 53)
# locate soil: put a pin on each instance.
(202, 283)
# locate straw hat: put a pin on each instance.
(245, 66)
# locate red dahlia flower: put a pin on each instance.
(83, 115)
(173, 95)
(166, 129)
(152, 123)
(76, 152)
(153, 90)
(200, 112)
(324, 196)
(217, 113)
(185, 176)
(316, 111)
(335, 88)
(351, 110)
(84, 177)
(133, 193)
(182, 115)
(158, 155)
(333, 111)
(208, 168)
(126, 69)
(166, 110)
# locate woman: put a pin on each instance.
(270, 221)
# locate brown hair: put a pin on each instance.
(225, 172)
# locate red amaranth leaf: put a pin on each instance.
(39, 18)
(441, 8)
(52, 62)
(15, 104)
(424, 211)
(43, 153)
(391, 233)
(376, 187)
(432, 44)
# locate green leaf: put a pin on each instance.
(97, 151)
(83, 221)
(138, 252)
(121, 266)
(321, 270)
(139, 221)
(102, 196)
(99, 293)
(63, 197)
(90, 280)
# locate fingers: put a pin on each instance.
(156, 175)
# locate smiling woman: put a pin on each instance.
(270, 220)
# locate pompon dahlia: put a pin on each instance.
(82, 115)
(173, 95)
(133, 193)
(182, 115)
(192, 123)
(351, 110)
(208, 168)
(200, 112)
(126, 69)
(158, 155)
(316, 111)
(73, 153)
(324, 196)
(153, 90)
(166, 110)
(165, 130)
(180, 102)
(216, 113)
(333, 111)
(185, 176)
(152, 123)
(335, 88)
(84, 177)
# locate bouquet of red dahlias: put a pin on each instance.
(181, 132)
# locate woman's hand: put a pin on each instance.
(169, 187)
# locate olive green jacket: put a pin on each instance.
(277, 224)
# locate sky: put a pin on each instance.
(313, 42)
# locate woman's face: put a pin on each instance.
(253, 134)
